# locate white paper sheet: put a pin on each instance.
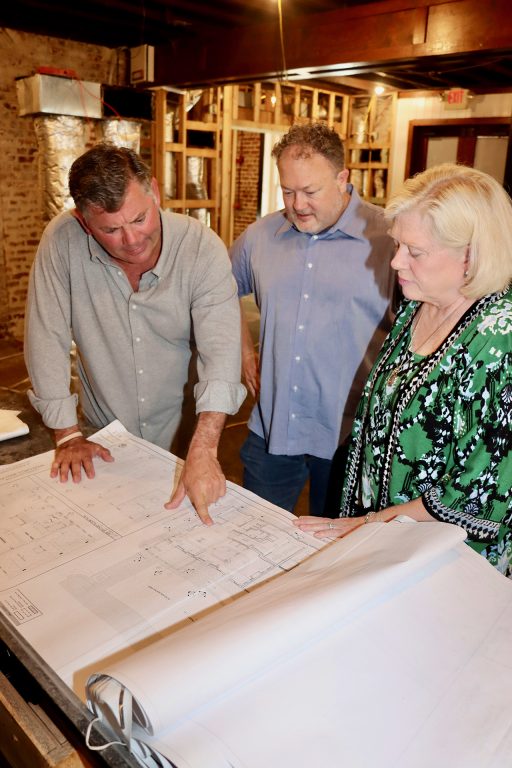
(390, 650)
(422, 679)
(280, 617)
(107, 564)
(249, 644)
(11, 425)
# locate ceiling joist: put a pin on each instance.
(392, 36)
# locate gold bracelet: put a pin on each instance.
(67, 438)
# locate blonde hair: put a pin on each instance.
(464, 207)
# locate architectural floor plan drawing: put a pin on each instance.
(105, 562)
(248, 643)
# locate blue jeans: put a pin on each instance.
(280, 479)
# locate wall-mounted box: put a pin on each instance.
(142, 64)
(58, 96)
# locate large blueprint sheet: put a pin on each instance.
(388, 648)
(95, 569)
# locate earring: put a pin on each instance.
(466, 273)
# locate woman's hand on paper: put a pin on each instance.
(326, 528)
(77, 455)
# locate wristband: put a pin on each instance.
(67, 438)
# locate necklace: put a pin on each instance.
(402, 359)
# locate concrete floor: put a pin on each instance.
(13, 374)
(14, 383)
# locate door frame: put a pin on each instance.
(466, 128)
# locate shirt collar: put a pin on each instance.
(352, 222)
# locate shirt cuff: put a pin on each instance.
(56, 414)
(219, 396)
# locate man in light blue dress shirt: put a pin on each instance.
(320, 274)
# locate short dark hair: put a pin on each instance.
(100, 176)
(313, 137)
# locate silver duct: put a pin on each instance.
(60, 139)
(196, 188)
(122, 133)
(171, 127)
(196, 183)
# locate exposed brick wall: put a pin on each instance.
(249, 149)
(21, 221)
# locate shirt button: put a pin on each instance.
(295, 387)
(142, 399)
(301, 327)
(137, 338)
(315, 237)
(119, 273)
(134, 306)
(306, 295)
(297, 357)
(310, 265)
(143, 423)
(293, 415)
(141, 370)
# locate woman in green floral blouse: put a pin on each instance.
(433, 434)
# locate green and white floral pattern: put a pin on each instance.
(440, 427)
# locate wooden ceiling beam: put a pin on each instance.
(337, 42)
